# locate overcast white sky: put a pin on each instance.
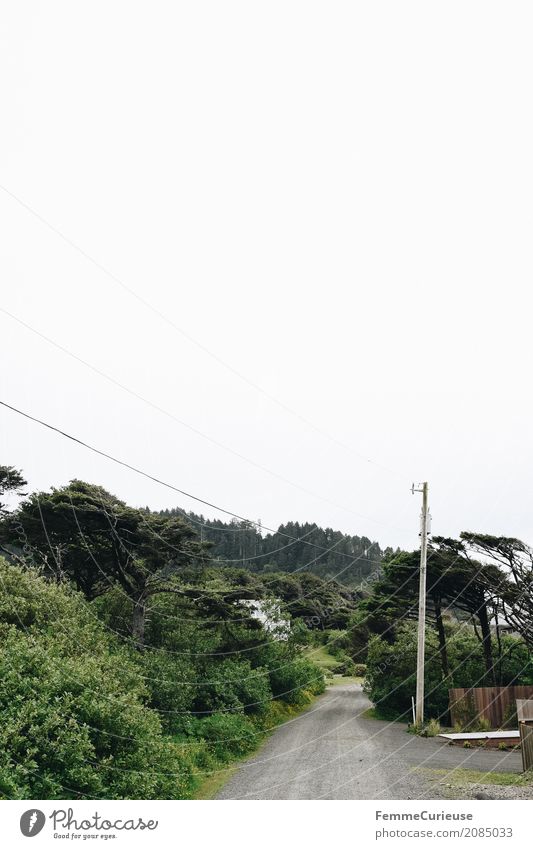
(335, 198)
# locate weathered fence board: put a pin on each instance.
(524, 710)
(494, 704)
(526, 745)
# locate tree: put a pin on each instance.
(11, 480)
(475, 587)
(454, 580)
(515, 560)
(83, 533)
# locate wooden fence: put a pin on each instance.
(526, 745)
(494, 704)
(524, 710)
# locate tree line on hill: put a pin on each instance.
(295, 546)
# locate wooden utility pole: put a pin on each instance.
(419, 713)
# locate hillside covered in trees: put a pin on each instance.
(294, 547)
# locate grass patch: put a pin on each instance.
(383, 714)
(323, 659)
(462, 777)
(371, 713)
(211, 784)
(345, 679)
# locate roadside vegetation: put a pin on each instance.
(131, 664)
(86, 714)
(134, 664)
(479, 625)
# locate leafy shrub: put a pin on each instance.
(360, 670)
(292, 681)
(232, 684)
(227, 735)
(336, 640)
(73, 718)
(345, 667)
(391, 674)
(277, 713)
(82, 714)
(170, 680)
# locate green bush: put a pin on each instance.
(227, 735)
(345, 667)
(336, 640)
(292, 681)
(232, 684)
(360, 670)
(170, 680)
(391, 675)
(277, 713)
(83, 714)
(73, 721)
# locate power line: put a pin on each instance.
(179, 421)
(155, 479)
(157, 312)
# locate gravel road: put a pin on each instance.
(333, 752)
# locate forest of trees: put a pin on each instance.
(295, 546)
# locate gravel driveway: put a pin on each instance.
(333, 752)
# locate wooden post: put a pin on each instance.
(526, 745)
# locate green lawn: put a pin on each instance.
(345, 679)
(322, 658)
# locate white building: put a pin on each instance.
(268, 613)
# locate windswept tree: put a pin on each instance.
(454, 580)
(11, 481)
(476, 587)
(83, 533)
(515, 560)
(395, 596)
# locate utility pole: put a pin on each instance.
(419, 713)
